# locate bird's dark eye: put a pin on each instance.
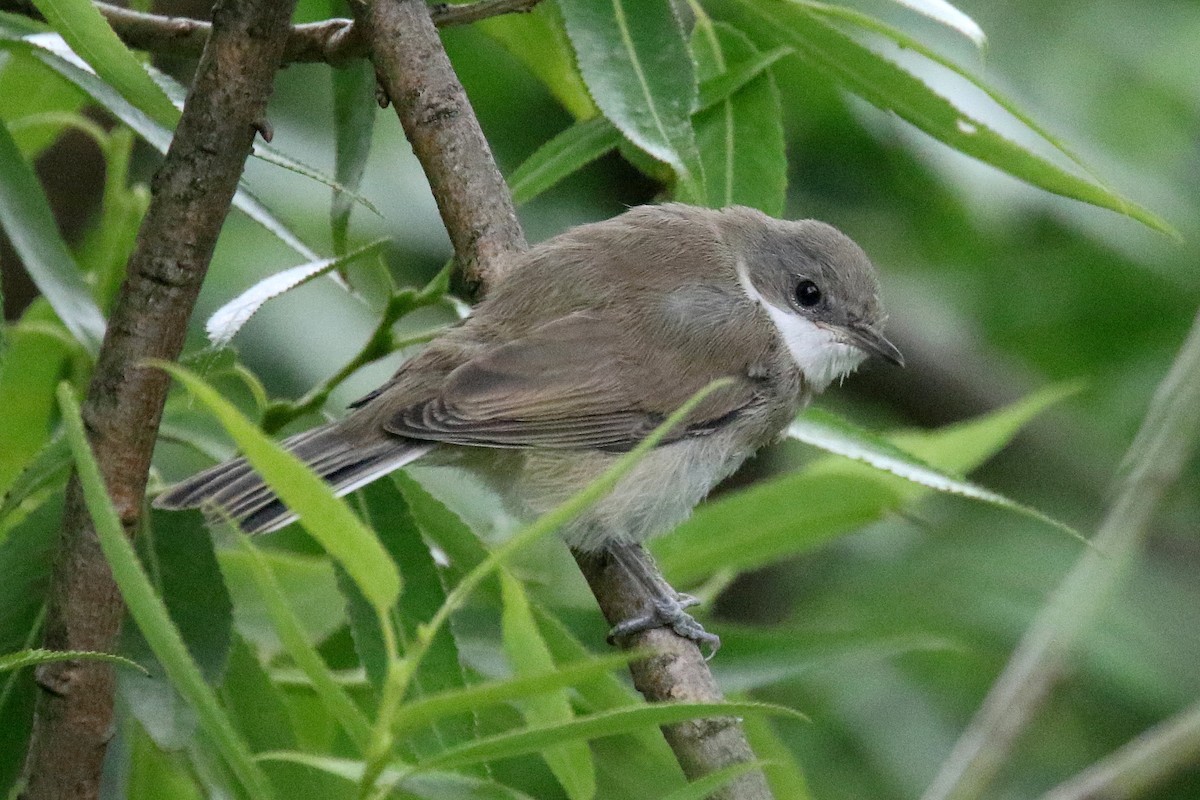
(808, 294)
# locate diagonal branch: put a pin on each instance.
(477, 210)
(191, 196)
(332, 41)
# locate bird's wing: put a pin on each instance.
(568, 385)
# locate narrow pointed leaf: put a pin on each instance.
(426, 786)
(890, 87)
(571, 762)
(704, 787)
(227, 320)
(29, 658)
(836, 435)
(951, 17)
(609, 723)
(354, 122)
(89, 35)
(584, 142)
(741, 138)
(51, 50)
(148, 611)
(634, 59)
(323, 515)
(26, 217)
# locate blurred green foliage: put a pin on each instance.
(888, 623)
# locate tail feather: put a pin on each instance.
(233, 490)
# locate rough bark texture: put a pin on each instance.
(191, 196)
(676, 672)
(417, 77)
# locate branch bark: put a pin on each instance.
(332, 41)
(191, 196)
(477, 210)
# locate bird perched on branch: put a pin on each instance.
(585, 345)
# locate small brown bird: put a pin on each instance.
(588, 343)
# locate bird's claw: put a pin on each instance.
(669, 612)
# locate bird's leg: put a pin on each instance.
(667, 610)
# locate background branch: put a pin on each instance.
(477, 210)
(333, 41)
(191, 196)
(1154, 461)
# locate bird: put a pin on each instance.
(585, 344)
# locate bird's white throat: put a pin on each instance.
(817, 351)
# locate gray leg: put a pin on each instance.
(668, 605)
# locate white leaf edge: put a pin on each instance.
(226, 321)
(844, 441)
(946, 14)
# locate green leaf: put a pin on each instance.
(28, 91)
(26, 217)
(951, 17)
(782, 768)
(634, 59)
(608, 723)
(840, 437)
(323, 515)
(227, 320)
(29, 658)
(53, 52)
(568, 152)
(741, 138)
(428, 786)
(890, 87)
(584, 142)
(354, 122)
(745, 529)
(149, 612)
(387, 512)
(47, 469)
(295, 642)
(704, 787)
(89, 35)
(538, 40)
(570, 762)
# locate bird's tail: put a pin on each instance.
(233, 490)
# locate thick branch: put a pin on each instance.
(478, 213)
(191, 196)
(333, 41)
(416, 74)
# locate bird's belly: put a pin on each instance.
(659, 493)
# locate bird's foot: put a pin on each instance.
(668, 612)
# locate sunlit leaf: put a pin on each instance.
(26, 217)
(148, 611)
(634, 59)
(323, 515)
(227, 320)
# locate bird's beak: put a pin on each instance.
(873, 343)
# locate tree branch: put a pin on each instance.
(477, 210)
(332, 41)
(191, 196)
(1162, 448)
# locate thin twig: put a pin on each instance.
(333, 41)
(1156, 756)
(192, 193)
(1154, 461)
